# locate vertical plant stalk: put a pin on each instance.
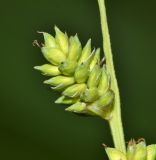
(115, 122)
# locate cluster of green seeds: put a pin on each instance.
(135, 151)
(78, 74)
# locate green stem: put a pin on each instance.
(115, 122)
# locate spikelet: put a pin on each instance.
(135, 151)
(78, 74)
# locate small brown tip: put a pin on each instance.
(40, 32)
(35, 43)
(104, 145)
(132, 142)
(141, 140)
(102, 62)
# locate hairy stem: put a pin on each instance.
(115, 122)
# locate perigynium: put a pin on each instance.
(87, 84)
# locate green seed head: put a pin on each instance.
(135, 151)
(77, 74)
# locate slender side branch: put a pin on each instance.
(115, 122)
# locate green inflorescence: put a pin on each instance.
(135, 151)
(78, 74)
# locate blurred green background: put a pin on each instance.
(31, 125)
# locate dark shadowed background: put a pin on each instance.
(32, 127)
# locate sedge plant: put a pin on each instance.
(87, 84)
